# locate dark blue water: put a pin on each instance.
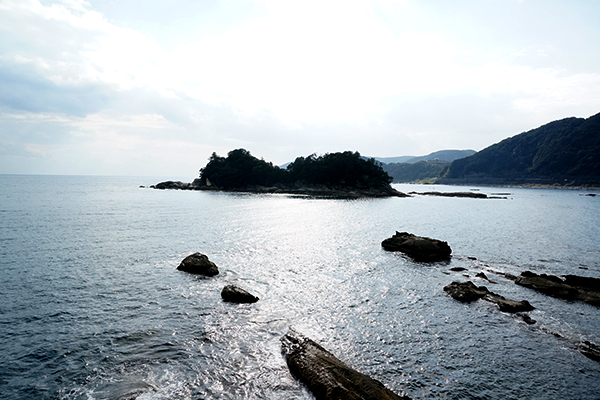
(92, 306)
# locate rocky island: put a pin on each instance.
(337, 175)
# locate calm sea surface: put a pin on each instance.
(92, 306)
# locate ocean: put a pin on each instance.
(93, 307)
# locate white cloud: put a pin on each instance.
(290, 77)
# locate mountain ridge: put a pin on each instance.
(561, 152)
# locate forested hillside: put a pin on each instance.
(563, 152)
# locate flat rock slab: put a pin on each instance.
(234, 294)
(198, 263)
(572, 287)
(467, 292)
(418, 248)
(327, 377)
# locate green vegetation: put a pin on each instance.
(241, 170)
(415, 172)
(561, 152)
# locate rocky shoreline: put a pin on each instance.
(314, 191)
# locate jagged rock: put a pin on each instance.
(468, 292)
(234, 294)
(327, 377)
(198, 263)
(590, 350)
(573, 287)
(417, 247)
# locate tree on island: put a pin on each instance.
(240, 169)
(335, 170)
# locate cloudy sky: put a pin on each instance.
(153, 87)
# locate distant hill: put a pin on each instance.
(442, 155)
(422, 171)
(423, 168)
(565, 152)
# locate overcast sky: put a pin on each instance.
(153, 87)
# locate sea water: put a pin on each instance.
(92, 306)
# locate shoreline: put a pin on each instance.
(312, 191)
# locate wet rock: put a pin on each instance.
(327, 377)
(468, 292)
(590, 350)
(528, 319)
(509, 306)
(198, 263)
(572, 287)
(484, 276)
(234, 294)
(417, 247)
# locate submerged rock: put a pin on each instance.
(327, 377)
(467, 292)
(234, 294)
(198, 263)
(572, 287)
(417, 247)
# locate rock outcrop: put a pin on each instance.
(572, 287)
(327, 377)
(198, 263)
(467, 292)
(291, 189)
(234, 294)
(417, 247)
(173, 185)
(590, 350)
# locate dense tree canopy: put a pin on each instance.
(240, 170)
(568, 149)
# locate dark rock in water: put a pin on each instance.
(198, 263)
(466, 291)
(234, 294)
(573, 287)
(528, 319)
(509, 306)
(327, 377)
(455, 194)
(172, 185)
(590, 350)
(417, 247)
(483, 276)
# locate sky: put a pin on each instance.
(154, 87)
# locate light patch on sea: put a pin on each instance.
(92, 306)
